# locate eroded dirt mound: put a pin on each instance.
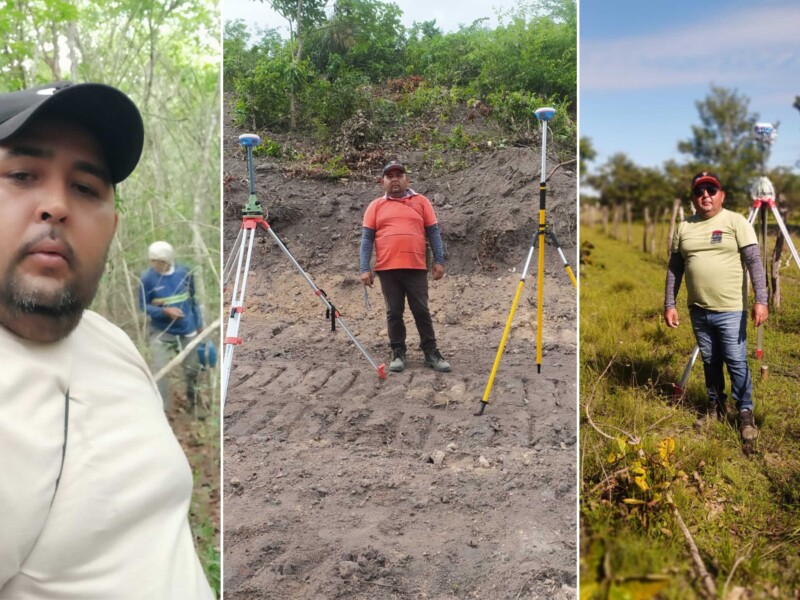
(340, 485)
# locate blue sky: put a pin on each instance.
(644, 65)
(449, 14)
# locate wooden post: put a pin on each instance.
(616, 217)
(775, 267)
(677, 210)
(629, 219)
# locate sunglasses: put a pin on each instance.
(700, 190)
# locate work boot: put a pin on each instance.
(435, 360)
(398, 360)
(747, 425)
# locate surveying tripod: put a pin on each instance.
(253, 218)
(544, 115)
(763, 194)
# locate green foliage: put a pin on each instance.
(360, 67)
(240, 56)
(269, 148)
(212, 565)
(620, 180)
(333, 168)
(586, 153)
(428, 100)
(361, 35)
(312, 12)
(537, 56)
(447, 60)
(262, 98)
(514, 111)
(458, 139)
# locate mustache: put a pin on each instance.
(53, 234)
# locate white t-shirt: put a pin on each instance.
(117, 527)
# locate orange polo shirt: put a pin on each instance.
(399, 226)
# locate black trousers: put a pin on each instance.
(397, 285)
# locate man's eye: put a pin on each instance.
(85, 189)
(21, 176)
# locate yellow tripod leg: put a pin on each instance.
(506, 331)
(571, 276)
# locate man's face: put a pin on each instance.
(161, 266)
(57, 218)
(395, 182)
(707, 199)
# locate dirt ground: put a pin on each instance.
(340, 485)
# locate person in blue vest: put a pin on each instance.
(167, 295)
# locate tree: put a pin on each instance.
(722, 142)
(363, 35)
(587, 154)
(302, 17)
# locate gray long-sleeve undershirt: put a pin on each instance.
(752, 261)
(432, 233)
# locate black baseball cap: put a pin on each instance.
(107, 113)
(706, 177)
(394, 164)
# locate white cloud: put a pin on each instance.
(757, 44)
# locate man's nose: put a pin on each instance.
(54, 204)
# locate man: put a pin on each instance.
(166, 294)
(710, 248)
(397, 225)
(94, 488)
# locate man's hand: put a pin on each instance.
(173, 312)
(438, 271)
(671, 317)
(760, 314)
(367, 278)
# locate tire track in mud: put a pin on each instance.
(324, 461)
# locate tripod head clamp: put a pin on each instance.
(253, 207)
(762, 191)
(545, 113)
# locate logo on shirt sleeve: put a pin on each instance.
(716, 237)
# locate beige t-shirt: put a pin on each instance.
(713, 264)
(117, 527)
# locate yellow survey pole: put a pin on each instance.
(542, 230)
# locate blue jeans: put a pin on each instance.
(722, 338)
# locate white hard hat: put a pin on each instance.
(161, 251)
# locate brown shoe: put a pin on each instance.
(747, 426)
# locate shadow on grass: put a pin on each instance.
(651, 373)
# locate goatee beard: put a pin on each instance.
(47, 316)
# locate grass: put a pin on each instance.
(202, 445)
(743, 511)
